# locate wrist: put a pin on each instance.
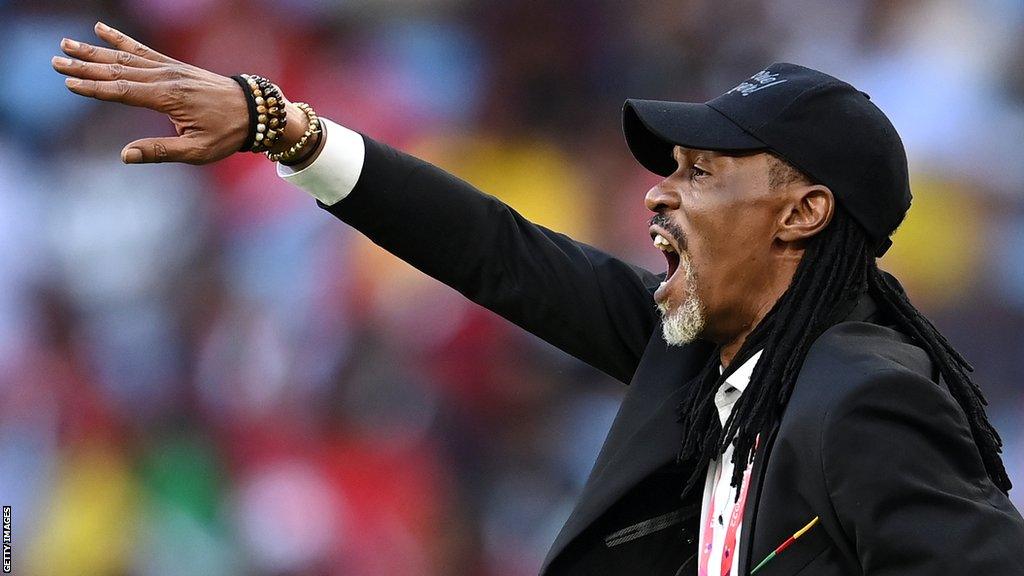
(294, 128)
(314, 151)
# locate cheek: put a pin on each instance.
(726, 252)
(709, 240)
(742, 256)
(703, 264)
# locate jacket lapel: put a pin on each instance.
(753, 499)
(864, 309)
(644, 436)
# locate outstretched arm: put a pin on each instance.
(580, 299)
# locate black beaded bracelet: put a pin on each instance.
(267, 117)
(271, 116)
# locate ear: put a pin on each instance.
(808, 213)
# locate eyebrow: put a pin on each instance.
(678, 152)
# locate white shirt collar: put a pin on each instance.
(741, 377)
(734, 386)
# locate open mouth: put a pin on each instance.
(668, 248)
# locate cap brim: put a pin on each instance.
(652, 128)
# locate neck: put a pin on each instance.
(757, 310)
(732, 347)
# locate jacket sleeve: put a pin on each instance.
(587, 303)
(908, 484)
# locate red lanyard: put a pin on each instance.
(729, 547)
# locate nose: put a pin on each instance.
(662, 198)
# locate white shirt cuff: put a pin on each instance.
(334, 173)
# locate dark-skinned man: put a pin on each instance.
(789, 411)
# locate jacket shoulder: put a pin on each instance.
(851, 352)
(849, 358)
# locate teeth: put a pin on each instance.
(661, 243)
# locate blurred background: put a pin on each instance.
(203, 373)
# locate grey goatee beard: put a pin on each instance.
(684, 323)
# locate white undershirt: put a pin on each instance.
(725, 495)
(333, 175)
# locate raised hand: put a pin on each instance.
(208, 110)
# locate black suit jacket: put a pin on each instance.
(871, 441)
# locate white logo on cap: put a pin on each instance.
(759, 81)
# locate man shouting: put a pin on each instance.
(789, 410)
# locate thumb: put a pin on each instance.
(151, 150)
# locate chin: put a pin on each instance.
(684, 323)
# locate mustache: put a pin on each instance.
(671, 227)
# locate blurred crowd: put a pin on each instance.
(203, 373)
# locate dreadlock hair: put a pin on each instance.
(837, 267)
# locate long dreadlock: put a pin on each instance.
(837, 267)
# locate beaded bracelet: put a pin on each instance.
(267, 119)
(271, 106)
(310, 151)
(292, 153)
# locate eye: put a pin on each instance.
(696, 172)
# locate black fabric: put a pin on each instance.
(820, 124)
(653, 127)
(591, 555)
(869, 442)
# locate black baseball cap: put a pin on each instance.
(819, 124)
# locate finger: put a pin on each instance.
(122, 41)
(91, 71)
(152, 150)
(123, 91)
(101, 55)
